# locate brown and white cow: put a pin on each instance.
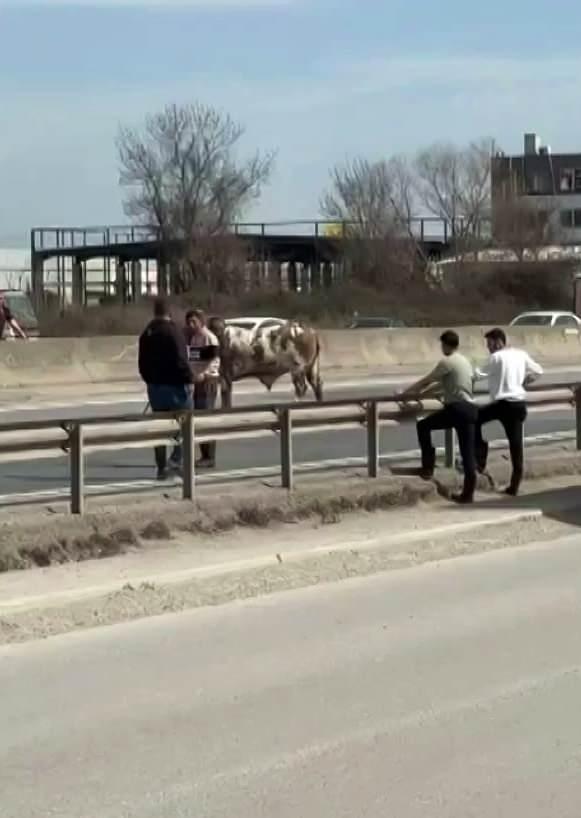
(268, 355)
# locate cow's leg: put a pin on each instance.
(226, 394)
(313, 375)
(299, 382)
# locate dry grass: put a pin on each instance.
(59, 539)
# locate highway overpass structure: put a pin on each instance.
(125, 262)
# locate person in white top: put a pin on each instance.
(204, 358)
(509, 371)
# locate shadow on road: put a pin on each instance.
(560, 504)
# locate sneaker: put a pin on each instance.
(161, 475)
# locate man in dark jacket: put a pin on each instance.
(164, 366)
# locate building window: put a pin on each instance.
(567, 181)
(578, 180)
(577, 218)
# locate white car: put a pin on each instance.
(567, 321)
(255, 325)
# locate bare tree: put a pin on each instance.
(454, 184)
(181, 174)
(374, 202)
(373, 199)
(522, 227)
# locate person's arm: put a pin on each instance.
(142, 359)
(181, 353)
(425, 384)
(533, 370)
(482, 373)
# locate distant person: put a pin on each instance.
(452, 381)
(204, 357)
(509, 371)
(9, 326)
(164, 366)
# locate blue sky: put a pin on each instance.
(318, 80)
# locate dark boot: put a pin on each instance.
(208, 456)
(428, 463)
(482, 456)
(161, 462)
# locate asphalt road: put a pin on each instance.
(132, 465)
(450, 690)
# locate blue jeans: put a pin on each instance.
(168, 399)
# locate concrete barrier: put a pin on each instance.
(69, 361)
(66, 361)
(374, 350)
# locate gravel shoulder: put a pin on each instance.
(211, 569)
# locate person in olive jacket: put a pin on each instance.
(165, 369)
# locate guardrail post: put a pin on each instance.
(578, 416)
(372, 439)
(189, 457)
(450, 448)
(286, 448)
(77, 461)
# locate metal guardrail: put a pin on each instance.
(78, 437)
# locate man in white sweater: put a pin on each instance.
(509, 371)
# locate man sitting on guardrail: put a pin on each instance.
(509, 371)
(164, 366)
(204, 357)
(452, 381)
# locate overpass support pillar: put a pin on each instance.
(162, 277)
(37, 279)
(291, 276)
(136, 280)
(305, 269)
(78, 283)
(316, 276)
(120, 282)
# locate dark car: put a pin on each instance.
(373, 322)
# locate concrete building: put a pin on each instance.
(550, 182)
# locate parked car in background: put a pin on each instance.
(255, 325)
(551, 319)
(20, 306)
(374, 322)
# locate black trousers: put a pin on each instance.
(512, 415)
(205, 395)
(462, 417)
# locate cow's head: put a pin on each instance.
(217, 325)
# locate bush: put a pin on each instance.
(470, 293)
